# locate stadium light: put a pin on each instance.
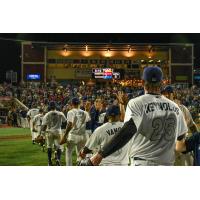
(65, 49)
(129, 48)
(108, 54)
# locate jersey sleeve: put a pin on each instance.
(188, 118)
(181, 125)
(28, 113)
(134, 112)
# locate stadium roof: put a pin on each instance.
(72, 46)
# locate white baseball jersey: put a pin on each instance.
(187, 115)
(54, 120)
(32, 112)
(78, 118)
(38, 121)
(101, 136)
(159, 122)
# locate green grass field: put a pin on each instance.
(16, 149)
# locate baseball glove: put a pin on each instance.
(85, 162)
(40, 140)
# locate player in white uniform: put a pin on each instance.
(37, 122)
(30, 115)
(75, 134)
(103, 134)
(182, 159)
(153, 123)
(51, 123)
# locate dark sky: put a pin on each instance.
(10, 50)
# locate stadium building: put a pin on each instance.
(103, 62)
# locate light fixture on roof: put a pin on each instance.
(108, 54)
(65, 49)
(129, 48)
(86, 47)
(150, 51)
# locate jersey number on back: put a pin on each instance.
(163, 129)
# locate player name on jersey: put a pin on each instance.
(113, 131)
(163, 106)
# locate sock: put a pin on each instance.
(49, 152)
(58, 154)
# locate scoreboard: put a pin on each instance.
(102, 73)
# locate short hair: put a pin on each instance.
(149, 85)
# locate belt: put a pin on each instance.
(137, 158)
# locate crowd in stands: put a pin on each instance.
(100, 95)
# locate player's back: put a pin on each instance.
(33, 112)
(101, 136)
(157, 120)
(53, 120)
(38, 119)
(78, 118)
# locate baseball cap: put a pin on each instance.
(75, 101)
(52, 104)
(84, 98)
(152, 74)
(113, 110)
(168, 89)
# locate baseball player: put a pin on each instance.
(191, 144)
(153, 123)
(103, 135)
(75, 134)
(30, 115)
(51, 123)
(37, 123)
(182, 159)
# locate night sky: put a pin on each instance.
(11, 49)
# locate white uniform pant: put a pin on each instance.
(24, 122)
(77, 141)
(32, 132)
(53, 139)
(36, 134)
(62, 134)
